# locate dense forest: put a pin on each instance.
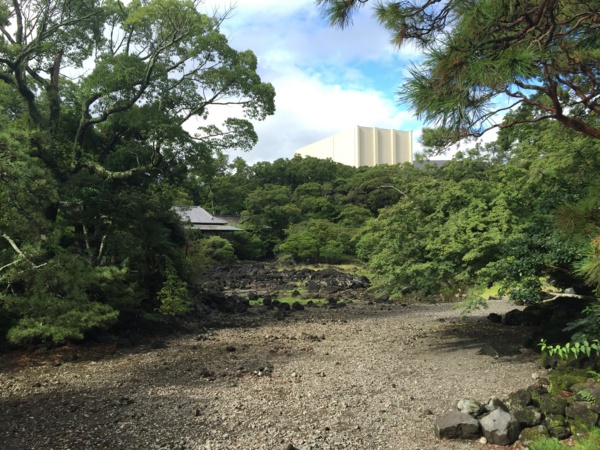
(96, 151)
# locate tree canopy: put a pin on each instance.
(103, 108)
(485, 57)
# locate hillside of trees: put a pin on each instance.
(96, 151)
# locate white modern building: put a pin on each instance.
(363, 146)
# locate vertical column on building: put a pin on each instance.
(410, 147)
(394, 153)
(375, 146)
(357, 155)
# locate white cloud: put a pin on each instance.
(326, 79)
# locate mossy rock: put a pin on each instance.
(557, 426)
(537, 390)
(565, 376)
(529, 435)
(553, 405)
(581, 413)
(529, 416)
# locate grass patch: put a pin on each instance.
(590, 441)
(490, 292)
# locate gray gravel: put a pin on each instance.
(360, 377)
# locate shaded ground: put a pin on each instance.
(359, 377)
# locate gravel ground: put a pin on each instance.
(360, 377)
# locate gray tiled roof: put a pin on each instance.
(215, 228)
(198, 216)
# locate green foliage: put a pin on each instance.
(218, 249)
(586, 396)
(269, 211)
(174, 297)
(547, 443)
(92, 164)
(317, 240)
(248, 246)
(57, 300)
(589, 441)
(479, 52)
(302, 246)
(571, 350)
(485, 218)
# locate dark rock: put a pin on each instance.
(582, 413)
(529, 435)
(297, 306)
(488, 350)
(311, 286)
(283, 306)
(230, 348)
(500, 427)
(332, 289)
(557, 426)
(267, 300)
(514, 317)
(311, 304)
(295, 293)
(158, 344)
(456, 425)
(123, 342)
(337, 305)
(590, 388)
(494, 404)
(552, 405)
(536, 390)
(494, 318)
(519, 399)
(530, 416)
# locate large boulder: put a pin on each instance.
(500, 427)
(519, 399)
(528, 417)
(557, 426)
(553, 405)
(582, 413)
(456, 425)
(529, 435)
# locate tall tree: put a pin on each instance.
(102, 109)
(484, 57)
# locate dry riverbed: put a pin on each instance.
(360, 377)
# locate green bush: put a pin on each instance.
(174, 297)
(317, 240)
(590, 441)
(546, 443)
(301, 246)
(248, 246)
(208, 251)
(56, 301)
(219, 249)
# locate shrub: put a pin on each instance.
(57, 301)
(174, 297)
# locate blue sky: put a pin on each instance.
(326, 79)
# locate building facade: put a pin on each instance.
(363, 146)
